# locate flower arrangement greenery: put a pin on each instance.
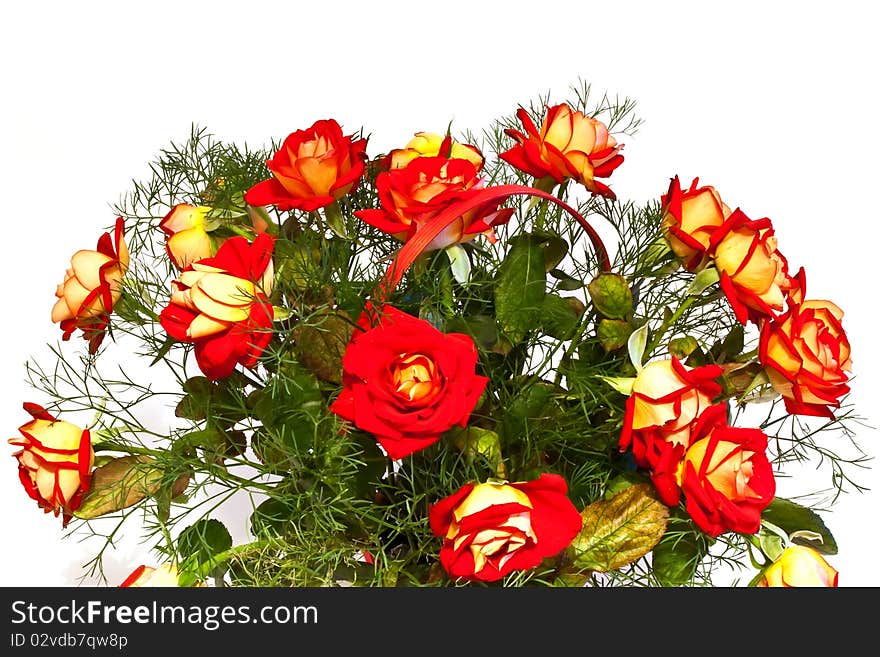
(427, 367)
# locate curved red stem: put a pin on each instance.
(426, 234)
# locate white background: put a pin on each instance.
(775, 104)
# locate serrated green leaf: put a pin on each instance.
(793, 518)
(618, 531)
(203, 540)
(520, 289)
(675, 558)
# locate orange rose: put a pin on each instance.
(726, 477)
(690, 218)
(569, 145)
(91, 287)
(492, 529)
(312, 169)
(55, 461)
(146, 576)
(186, 239)
(430, 144)
(754, 274)
(799, 565)
(410, 197)
(806, 355)
(666, 401)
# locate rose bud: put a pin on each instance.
(91, 287)
(490, 530)
(690, 218)
(407, 383)
(146, 576)
(806, 356)
(55, 461)
(312, 169)
(221, 305)
(666, 401)
(726, 478)
(186, 239)
(569, 145)
(412, 196)
(430, 144)
(799, 565)
(754, 275)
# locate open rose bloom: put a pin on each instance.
(799, 566)
(186, 237)
(91, 286)
(754, 274)
(491, 529)
(313, 168)
(666, 401)
(165, 575)
(689, 220)
(410, 197)
(221, 305)
(806, 355)
(726, 477)
(568, 145)
(55, 461)
(406, 383)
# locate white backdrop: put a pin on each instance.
(773, 103)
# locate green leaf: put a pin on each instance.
(520, 289)
(119, 484)
(675, 558)
(611, 295)
(561, 315)
(566, 282)
(203, 540)
(270, 518)
(636, 344)
(794, 519)
(681, 348)
(476, 441)
(613, 333)
(618, 531)
(702, 281)
(321, 346)
(460, 263)
(482, 328)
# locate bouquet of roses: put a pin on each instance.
(463, 361)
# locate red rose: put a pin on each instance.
(406, 383)
(569, 145)
(689, 219)
(55, 461)
(726, 478)
(313, 168)
(806, 355)
(754, 274)
(411, 196)
(91, 287)
(492, 529)
(666, 401)
(221, 305)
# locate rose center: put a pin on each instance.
(414, 376)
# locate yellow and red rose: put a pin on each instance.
(221, 305)
(492, 529)
(165, 575)
(410, 197)
(312, 169)
(753, 273)
(407, 383)
(186, 238)
(431, 144)
(568, 145)
(689, 220)
(799, 566)
(92, 285)
(662, 411)
(55, 461)
(806, 355)
(726, 477)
